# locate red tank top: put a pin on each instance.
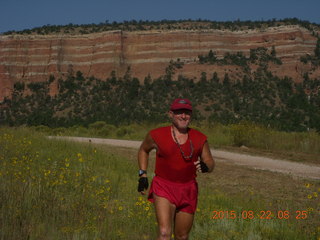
(170, 163)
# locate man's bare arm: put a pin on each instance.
(143, 154)
(207, 157)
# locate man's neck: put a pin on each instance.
(181, 131)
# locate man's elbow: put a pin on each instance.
(212, 166)
(143, 152)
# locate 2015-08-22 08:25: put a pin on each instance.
(268, 214)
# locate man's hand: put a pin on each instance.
(143, 185)
(201, 166)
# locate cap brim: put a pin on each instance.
(181, 107)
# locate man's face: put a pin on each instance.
(180, 118)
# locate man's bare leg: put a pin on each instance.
(182, 226)
(165, 212)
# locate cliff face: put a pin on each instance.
(31, 58)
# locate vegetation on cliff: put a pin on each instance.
(256, 95)
(259, 97)
(189, 24)
(315, 58)
(259, 56)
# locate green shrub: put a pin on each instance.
(124, 131)
(107, 130)
(59, 131)
(78, 130)
(97, 125)
(42, 128)
(241, 134)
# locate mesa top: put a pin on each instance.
(170, 162)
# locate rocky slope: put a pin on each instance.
(30, 58)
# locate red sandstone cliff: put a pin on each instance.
(35, 57)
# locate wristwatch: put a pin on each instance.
(141, 172)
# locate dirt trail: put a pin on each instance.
(309, 171)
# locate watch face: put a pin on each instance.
(142, 172)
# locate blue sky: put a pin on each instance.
(26, 14)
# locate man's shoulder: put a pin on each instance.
(159, 130)
(197, 133)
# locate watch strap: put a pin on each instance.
(141, 172)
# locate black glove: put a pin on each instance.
(204, 167)
(143, 184)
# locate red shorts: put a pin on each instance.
(183, 195)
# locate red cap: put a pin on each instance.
(181, 103)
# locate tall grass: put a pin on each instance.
(59, 190)
(53, 189)
(243, 134)
(260, 137)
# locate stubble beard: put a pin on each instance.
(181, 127)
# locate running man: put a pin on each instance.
(180, 152)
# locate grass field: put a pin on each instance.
(248, 137)
(53, 189)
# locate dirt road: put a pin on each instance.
(308, 171)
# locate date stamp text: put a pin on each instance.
(268, 214)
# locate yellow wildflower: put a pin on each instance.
(94, 178)
(99, 191)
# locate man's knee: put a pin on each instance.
(164, 233)
(181, 236)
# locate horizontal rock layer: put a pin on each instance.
(32, 58)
